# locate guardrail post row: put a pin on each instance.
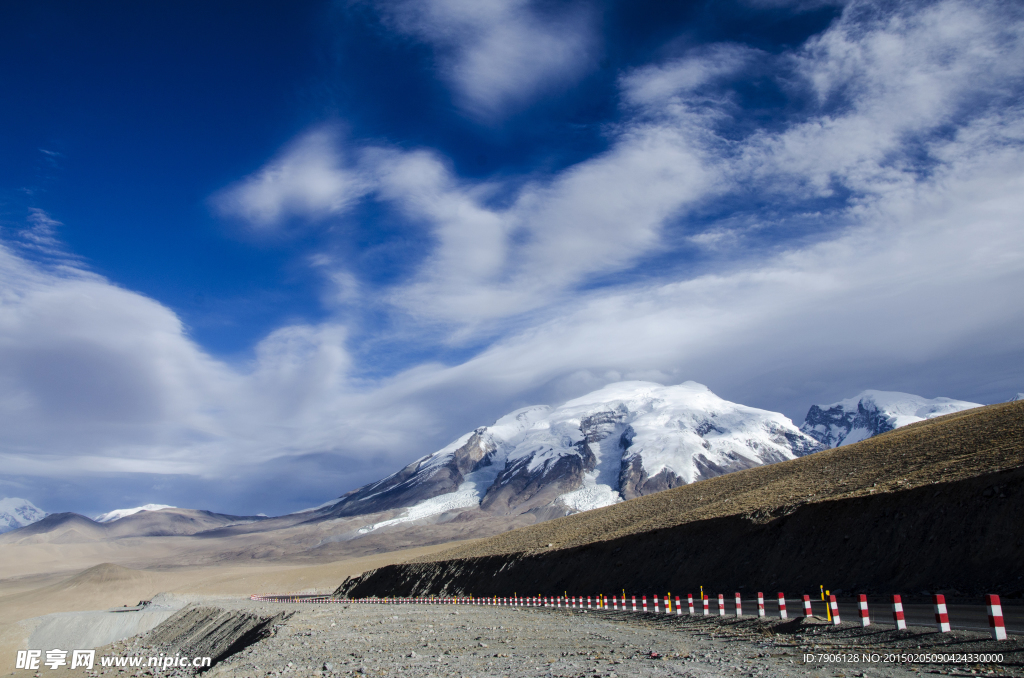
(995, 617)
(807, 607)
(941, 615)
(835, 609)
(739, 604)
(862, 601)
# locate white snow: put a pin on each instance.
(16, 512)
(117, 514)
(469, 494)
(1019, 396)
(903, 408)
(331, 502)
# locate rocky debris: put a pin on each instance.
(420, 641)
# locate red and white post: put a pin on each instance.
(644, 598)
(941, 615)
(721, 605)
(634, 603)
(589, 607)
(655, 603)
(835, 609)
(689, 602)
(807, 607)
(782, 606)
(679, 609)
(706, 605)
(995, 617)
(739, 604)
(862, 602)
(897, 613)
(760, 604)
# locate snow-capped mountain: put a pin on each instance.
(624, 440)
(117, 514)
(1019, 396)
(15, 513)
(871, 413)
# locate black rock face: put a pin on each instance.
(517, 489)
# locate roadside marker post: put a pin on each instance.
(721, 605)
(739, 604)
(644, 599)
(634, 603)
(995, 617)
(865, 620)
(656, 603)
(706, 605)
(807, 607)
(782, 606)
(679, 609)
(689, 602)
(941, 615)
(760, 604)
(589, 607)
(835, 609)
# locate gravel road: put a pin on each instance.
(418, 641)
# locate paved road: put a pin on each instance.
(973, 617)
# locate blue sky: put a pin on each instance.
(253, 255)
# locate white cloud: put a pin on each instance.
(909, 285)
(307, 180)
(498, 55)
(656, 85)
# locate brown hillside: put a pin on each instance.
(947, 449)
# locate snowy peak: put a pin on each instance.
(442, 473)
(117, 514)
(1019, 396)
(16, 512)
(873, 412)
(624, 440)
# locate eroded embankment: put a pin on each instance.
(211, 632)
(963, 535)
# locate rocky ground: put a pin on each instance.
(469, 641)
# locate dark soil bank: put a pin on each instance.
(965, 537)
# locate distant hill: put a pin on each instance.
(73, 528)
